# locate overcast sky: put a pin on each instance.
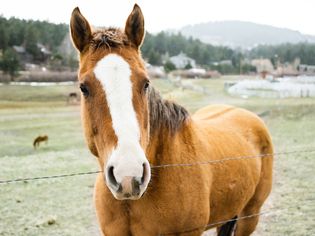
(170, 14)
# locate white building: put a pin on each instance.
(306, 69)
(181, 61)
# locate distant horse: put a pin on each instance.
(73, 97)
(132, 131)
(40, 139)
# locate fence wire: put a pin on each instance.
(47, 177)
(208, 226)
(270, 211)
(219, 223)
(218, 161)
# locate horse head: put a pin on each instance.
(115, 114)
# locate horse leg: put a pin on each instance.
(227, 229)
(246, 226)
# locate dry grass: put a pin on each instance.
(40, 76)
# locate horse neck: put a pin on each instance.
(169, 124)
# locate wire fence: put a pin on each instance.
(270, 211)
(218, 161)
(10, 181)
(219, 223)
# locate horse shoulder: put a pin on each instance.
(238, 120)
(234, 132)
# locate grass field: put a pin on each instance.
(64, 206)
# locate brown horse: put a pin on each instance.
(73, 98)
(131, 130)
(40, 139)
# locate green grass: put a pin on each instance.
(65, 207)
(45, 207)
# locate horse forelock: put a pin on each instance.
(109, 38)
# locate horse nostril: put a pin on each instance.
(144, 173)
(111, 178)
(135, 186)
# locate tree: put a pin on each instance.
(196, 53)
(31, 40)
(10, 62)
(188, 66)
(4, 38)
(154, 58)
(169, 66)
(247, 68)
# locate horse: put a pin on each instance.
(40, 139)
(72, 97)
(148, 148)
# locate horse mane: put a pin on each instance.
(164, 113)
(109, 37)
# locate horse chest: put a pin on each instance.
(175, 208)
(153, 220)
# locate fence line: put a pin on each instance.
(219, 223)
(161, 166)
(47, 177)
(270, 211)
(208, 226)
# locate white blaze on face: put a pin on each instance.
(128, 157)
(114, 74)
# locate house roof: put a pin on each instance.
(181, 60)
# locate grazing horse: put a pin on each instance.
(73, 97)
(133, 132)
(40, 139)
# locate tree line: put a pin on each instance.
(28, 34)
(157, 48)
(161, 44)
(286, 53)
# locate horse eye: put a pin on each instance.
(146, 85)
(84, 90)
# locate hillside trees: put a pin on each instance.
(9, 62)
(156, 49)
(28, 34)
(156, 46)
(286, 52)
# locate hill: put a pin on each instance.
(243, 34)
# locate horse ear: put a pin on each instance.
(80, 30)
(134, 28)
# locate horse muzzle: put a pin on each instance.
(129, 187)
